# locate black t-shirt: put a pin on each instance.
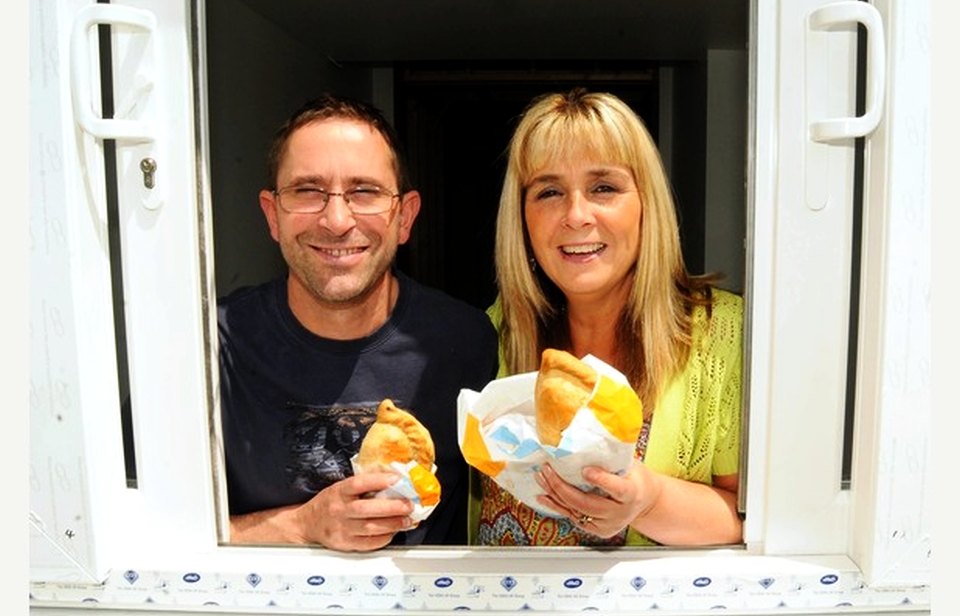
(295, 406)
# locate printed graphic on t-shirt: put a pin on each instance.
(321, 441)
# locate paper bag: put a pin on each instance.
(498, 435)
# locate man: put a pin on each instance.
(306, 360)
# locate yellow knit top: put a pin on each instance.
(695, 431)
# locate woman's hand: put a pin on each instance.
(617, 501)
(669, 510)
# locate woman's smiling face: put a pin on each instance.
(583, 217)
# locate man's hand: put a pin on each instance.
(341, 517)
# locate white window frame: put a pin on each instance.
(88, 529)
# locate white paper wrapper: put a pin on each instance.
(498, 434)
(403, 488)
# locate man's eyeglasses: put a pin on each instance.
(309, 199)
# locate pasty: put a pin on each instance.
(564, 385)
(396, 436)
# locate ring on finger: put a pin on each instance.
(584, 519)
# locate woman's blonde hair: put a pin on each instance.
(655, 324)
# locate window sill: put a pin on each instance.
(304, 580)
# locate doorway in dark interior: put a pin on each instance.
(456, 120)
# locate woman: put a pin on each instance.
(588, 260)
